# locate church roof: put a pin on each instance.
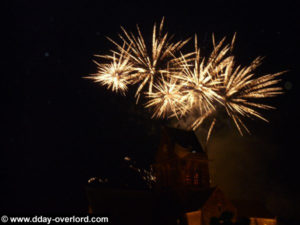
(186, 139)
(176, 143)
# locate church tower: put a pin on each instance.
(181, 163)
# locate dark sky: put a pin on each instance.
(62, 129)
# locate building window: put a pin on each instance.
(196, 179)
(188, 179)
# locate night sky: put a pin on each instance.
(61, 129)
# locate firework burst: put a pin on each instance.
(199, 86)
(116, 74)
(150, 63)
(167, 99)
(189, 85)
(241, 89)
(235, 88)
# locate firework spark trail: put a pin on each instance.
(116, 74)
(200, 87)
(150, 64)
(146, 175)
(202, 82)
(166, 99)
(188, 85)
(241, 88)
(234, 88)
(238, 99)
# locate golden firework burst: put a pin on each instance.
(149, 63)
(116, 74)
(242, 88)
(166, 99)
(236, 88)
(189, 84)
(199, 86)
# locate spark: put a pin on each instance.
(242, 88)
(150, 63)
(146, 174)
(116, 74)
(233, 87)
(199, 85)
(167, 99)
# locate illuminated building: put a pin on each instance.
(182, 168)
(182, 193)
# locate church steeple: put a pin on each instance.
(181, 162)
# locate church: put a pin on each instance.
(182, 193)
(181, 168)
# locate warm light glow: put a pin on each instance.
(262, 221)
(194, 217)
